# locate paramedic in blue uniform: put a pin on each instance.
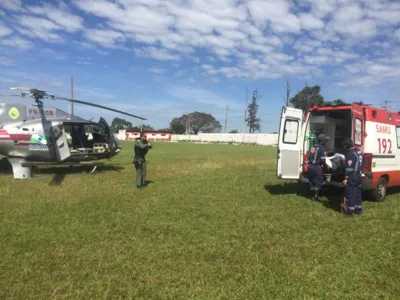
(316, 161)
(354, 162)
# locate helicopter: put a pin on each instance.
(33, 135)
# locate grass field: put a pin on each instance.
(215, 223)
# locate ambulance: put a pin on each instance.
(374, 130)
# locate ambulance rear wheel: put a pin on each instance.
(380, 191)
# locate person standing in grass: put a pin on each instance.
(353, 177)
(142, 147)
(316, 159)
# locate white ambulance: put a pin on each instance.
(374, 130)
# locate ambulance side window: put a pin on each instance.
(290, 131)
(398, 136)
(358, 132)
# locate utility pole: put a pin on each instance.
(226, 116)
(245, 112)
(244, 120)
(71, 110)
(189, 125)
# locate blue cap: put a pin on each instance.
(323, 137)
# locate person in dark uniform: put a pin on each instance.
(354, 161)
(141, 149)
(316, 161)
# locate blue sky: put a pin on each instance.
(162, 58)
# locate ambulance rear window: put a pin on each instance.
(290, 131)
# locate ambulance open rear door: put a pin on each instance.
(289, 144)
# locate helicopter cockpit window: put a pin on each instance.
(78, 136)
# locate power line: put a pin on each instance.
(386, 106)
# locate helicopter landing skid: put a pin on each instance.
(20, 171)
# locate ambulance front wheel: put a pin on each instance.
(380, 191)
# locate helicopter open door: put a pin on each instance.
(61, 142)
(108, 135)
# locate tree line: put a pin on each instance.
(310, 96)
(197, 122)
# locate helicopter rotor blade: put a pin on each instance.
(100, 106)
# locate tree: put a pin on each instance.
(144, 127)
(252, 121)
(195, 122)
(177, 126)
(234, 131)
(118, 124)
(307, 97)
(311, 96)
(338, 102)
(287, 98)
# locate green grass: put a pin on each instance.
(214, 224)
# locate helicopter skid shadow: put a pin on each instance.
(59, 172)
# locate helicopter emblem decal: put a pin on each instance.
(38, 139)
(38, 142)
(13, 113)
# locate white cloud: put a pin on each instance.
(16, 42)
(156, 70)
(39, 27)
(252, 39)
(308, 21)
(4, 30)
(156, 53)
(106, 38)
(13, 5)
(61, 16)
(4, 61)
(397, 34)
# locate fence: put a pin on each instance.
(236, 138)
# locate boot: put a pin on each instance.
(316, 196)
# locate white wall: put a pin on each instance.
(255, 138)
(121, 134)
(260, 139)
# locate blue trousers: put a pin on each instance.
(315, 177)
(352, 194)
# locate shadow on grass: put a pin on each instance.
(60, 172)
(334, 196)
(5, 166)
(287, 188)
(148, 182)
